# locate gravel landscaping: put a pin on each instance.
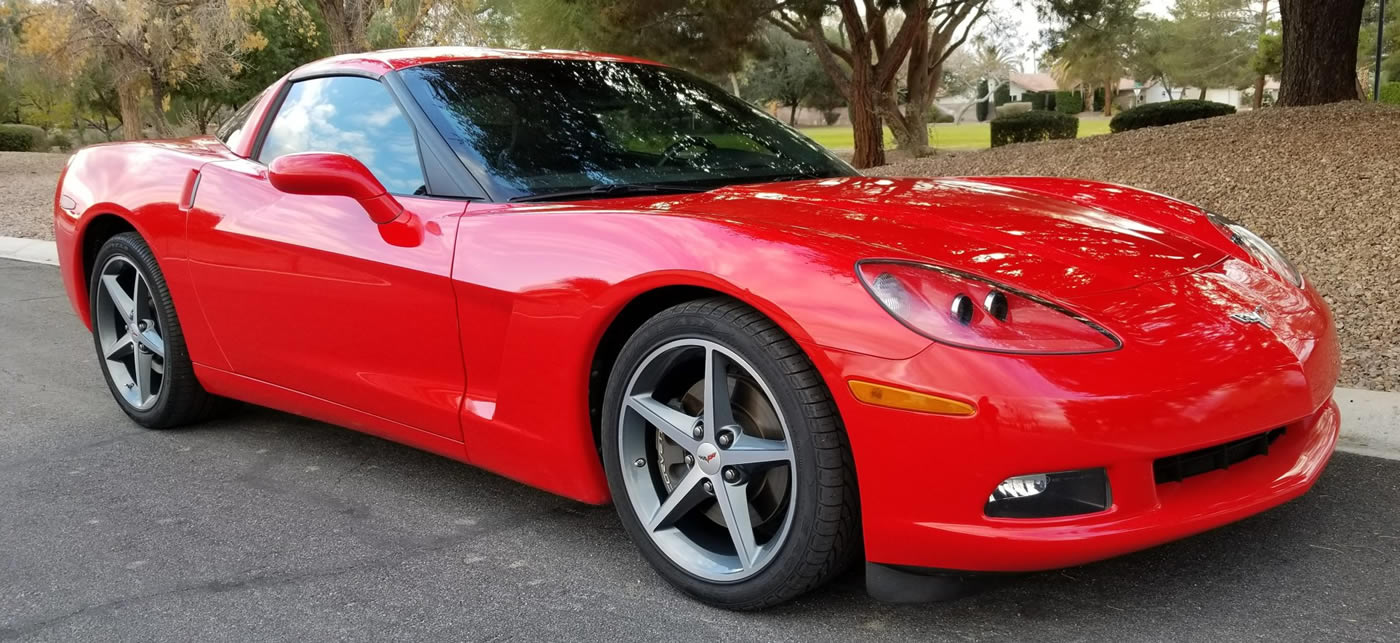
(1321, 183)
(27, 182)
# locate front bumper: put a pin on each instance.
(925, 479)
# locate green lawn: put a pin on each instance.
(946, 136)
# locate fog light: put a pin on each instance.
(1050, 495)
(1020, 487)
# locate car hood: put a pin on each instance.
(1058, 237)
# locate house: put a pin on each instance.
(1022, 83)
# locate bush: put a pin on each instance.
(831, 116)
(936, 114)
(1038, 99)
(60, 140)
(1168, 113)
(23, 138)
(982, 108)
(1002, 95)
(1033, 126)
(1390, 93)
(1012, 109)
(1098, 99)
(1069, 102)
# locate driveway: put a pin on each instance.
(265, 526)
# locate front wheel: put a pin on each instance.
(726, 458)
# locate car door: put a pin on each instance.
(306, 292)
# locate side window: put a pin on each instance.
(239, 120)
(349, 115)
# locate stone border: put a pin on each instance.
(1370, 419)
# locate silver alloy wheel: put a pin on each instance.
(723, 458)
(129, 333)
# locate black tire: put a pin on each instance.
(824, 536)
(181, 399)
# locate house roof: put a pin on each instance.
(1035, 82)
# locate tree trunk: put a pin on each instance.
(345, 25)
(792, 115)
(158, 119)
(1109, 96)
(1319, 51)
(866, 127)
(129, 97)
(1263, 29)
(1202, 95)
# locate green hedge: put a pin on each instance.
(23, 138)
(1002, 95)
(1039, 100)
(1168, 113)
(1390, 93)
(1033, 126)
(1069, 103)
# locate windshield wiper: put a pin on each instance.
(610, 189)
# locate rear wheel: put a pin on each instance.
(726, 459)
(140, 347)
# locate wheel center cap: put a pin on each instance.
(707, 456)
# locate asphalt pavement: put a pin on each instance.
(265, 526)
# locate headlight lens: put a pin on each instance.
(1258, 248)
(960, 309)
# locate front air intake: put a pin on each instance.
(1179, 467)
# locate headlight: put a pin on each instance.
(1258, 248)
(960, 309)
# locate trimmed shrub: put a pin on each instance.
(1069, 102)
(1168, 113)
(1037, 99)
(1002, 95)
(1012, 109)
(23, 138)
(1033, 126)
(1390, 93)
(60, 140)
(983, 109)
(936, 114)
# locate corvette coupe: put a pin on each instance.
(610, 280)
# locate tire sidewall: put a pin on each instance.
(781, 569)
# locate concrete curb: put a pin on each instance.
(31, 250)
(1370, 422)
(1370, 419)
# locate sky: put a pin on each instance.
(1024, 25)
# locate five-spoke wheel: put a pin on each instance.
(726, 459)
(138, 339)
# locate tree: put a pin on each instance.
(361, 25)
(1262, 63)
(1210, 43)
(787, 73)
(150, 45)
(1320, 40)
(1366, 53)
(1092, 42)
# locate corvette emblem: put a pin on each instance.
(709, 457)
(1255, 316)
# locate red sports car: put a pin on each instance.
(613, 281)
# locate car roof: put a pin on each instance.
(380, 62)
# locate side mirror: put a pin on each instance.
(326, 174)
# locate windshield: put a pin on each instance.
(536, 127)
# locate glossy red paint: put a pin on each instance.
(469, 329)
(314, 174)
